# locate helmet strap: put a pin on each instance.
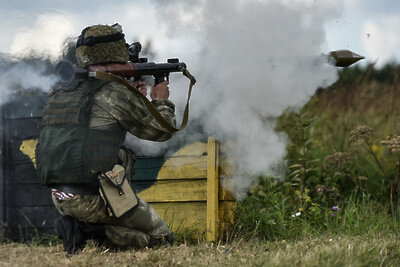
(92, 40)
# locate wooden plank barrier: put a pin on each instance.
(192, 190)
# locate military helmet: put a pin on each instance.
(100, 44)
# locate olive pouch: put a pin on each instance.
(117, 192)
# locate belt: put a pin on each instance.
(80, 189)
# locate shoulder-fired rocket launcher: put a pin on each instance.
(67, 72)
(135, 68)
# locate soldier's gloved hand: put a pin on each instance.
(141, 85)
(160, 90)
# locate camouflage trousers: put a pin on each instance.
(133, 229)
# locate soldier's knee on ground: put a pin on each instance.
(162, 240)
(125, 237)
(145, 219)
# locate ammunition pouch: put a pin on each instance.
(117, 192)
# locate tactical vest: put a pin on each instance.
(69, 152)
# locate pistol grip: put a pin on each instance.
(160, 78)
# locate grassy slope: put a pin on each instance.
(353, 101)
(360, 97)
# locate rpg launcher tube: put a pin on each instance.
(67, 72)
(129, 70)
(343, 58)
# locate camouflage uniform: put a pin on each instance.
(84, 125)
(113, 104)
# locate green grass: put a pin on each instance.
(270, 216)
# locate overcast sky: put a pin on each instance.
(367, 27)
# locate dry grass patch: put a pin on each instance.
(326, 251)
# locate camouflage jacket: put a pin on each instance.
(115, 104)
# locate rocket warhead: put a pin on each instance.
(343, 58)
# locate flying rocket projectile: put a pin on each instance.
(343, 58)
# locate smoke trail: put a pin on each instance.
(21, 75)
(256, 59)
(29, 62)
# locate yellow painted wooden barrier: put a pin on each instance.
(212, 189)
(192, 190)
(28, 148)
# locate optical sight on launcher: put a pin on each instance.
(135, 68)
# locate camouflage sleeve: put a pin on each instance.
(132, 114)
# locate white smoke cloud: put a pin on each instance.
(21, 76)
(252, 60)
(256, 59)
(45, 37)
(26, 64)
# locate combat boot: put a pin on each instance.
(75, 233)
